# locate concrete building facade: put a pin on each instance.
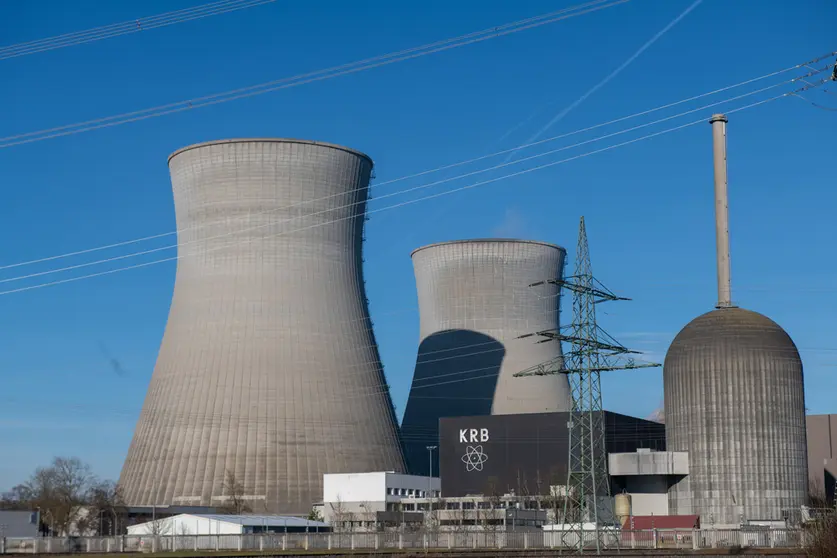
(644, 478)
(475, 301)
(268, 369)
(822, 456)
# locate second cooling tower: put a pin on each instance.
(474, 302)
(268, 370)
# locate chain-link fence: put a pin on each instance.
(693, 539)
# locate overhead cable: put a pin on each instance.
(301, 79)
(405, 203)
(126, 27)
(448, 166)
(378, 198)
(610, 76)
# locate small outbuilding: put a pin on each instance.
(219, 524)
(14, 523)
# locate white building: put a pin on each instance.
(364, 501)
(216, 524)
(376, 487)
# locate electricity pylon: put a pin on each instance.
(591, 352)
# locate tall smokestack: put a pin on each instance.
(719, 148)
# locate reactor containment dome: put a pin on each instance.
(475, 301)
(734, 399)
(268, 371)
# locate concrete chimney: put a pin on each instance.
(719, 149)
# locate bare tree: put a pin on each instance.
(522, 484)
(558, 494)
(817, 497)
(184, 537)
(457, 517)
(158, 527)
(18, 498)
(106, 505)
(554, 504)
(411, 526)
(822, 537)
(341, 518)
(234, 493)
(60, 491)
(368, 515)
(69, 499)
(491, 524)
(459, 524)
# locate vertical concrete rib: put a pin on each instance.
(734, 400)
(268, 367)
(475, 300)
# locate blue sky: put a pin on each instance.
(648, 206)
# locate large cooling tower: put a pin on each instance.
(475, 300)
(268, 367)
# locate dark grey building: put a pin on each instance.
(475, 301)
(497, 454)
(268, 368)
(822, 455)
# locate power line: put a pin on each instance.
(814, 104)
(440, 355)
(127, 27)
(371, 391)
(409, 202)
(391, 194)
(424, 186)
(301, 79)
(381, 389)
(451, 165)
(604, 81)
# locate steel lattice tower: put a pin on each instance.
(592, 351)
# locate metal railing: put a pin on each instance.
(693, 539)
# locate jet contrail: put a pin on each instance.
(607, 78)
(443, 209)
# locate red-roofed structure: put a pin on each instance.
(640, 522)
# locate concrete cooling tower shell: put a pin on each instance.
(268, 367)
(475, 300)
(734, 400)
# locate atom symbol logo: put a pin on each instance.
(474, 458)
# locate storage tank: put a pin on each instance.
(475, 300)
(735, 401)
(622, 507)
(268, 369)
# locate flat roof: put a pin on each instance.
(270, 140)
(269, 520)
(496, 240)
